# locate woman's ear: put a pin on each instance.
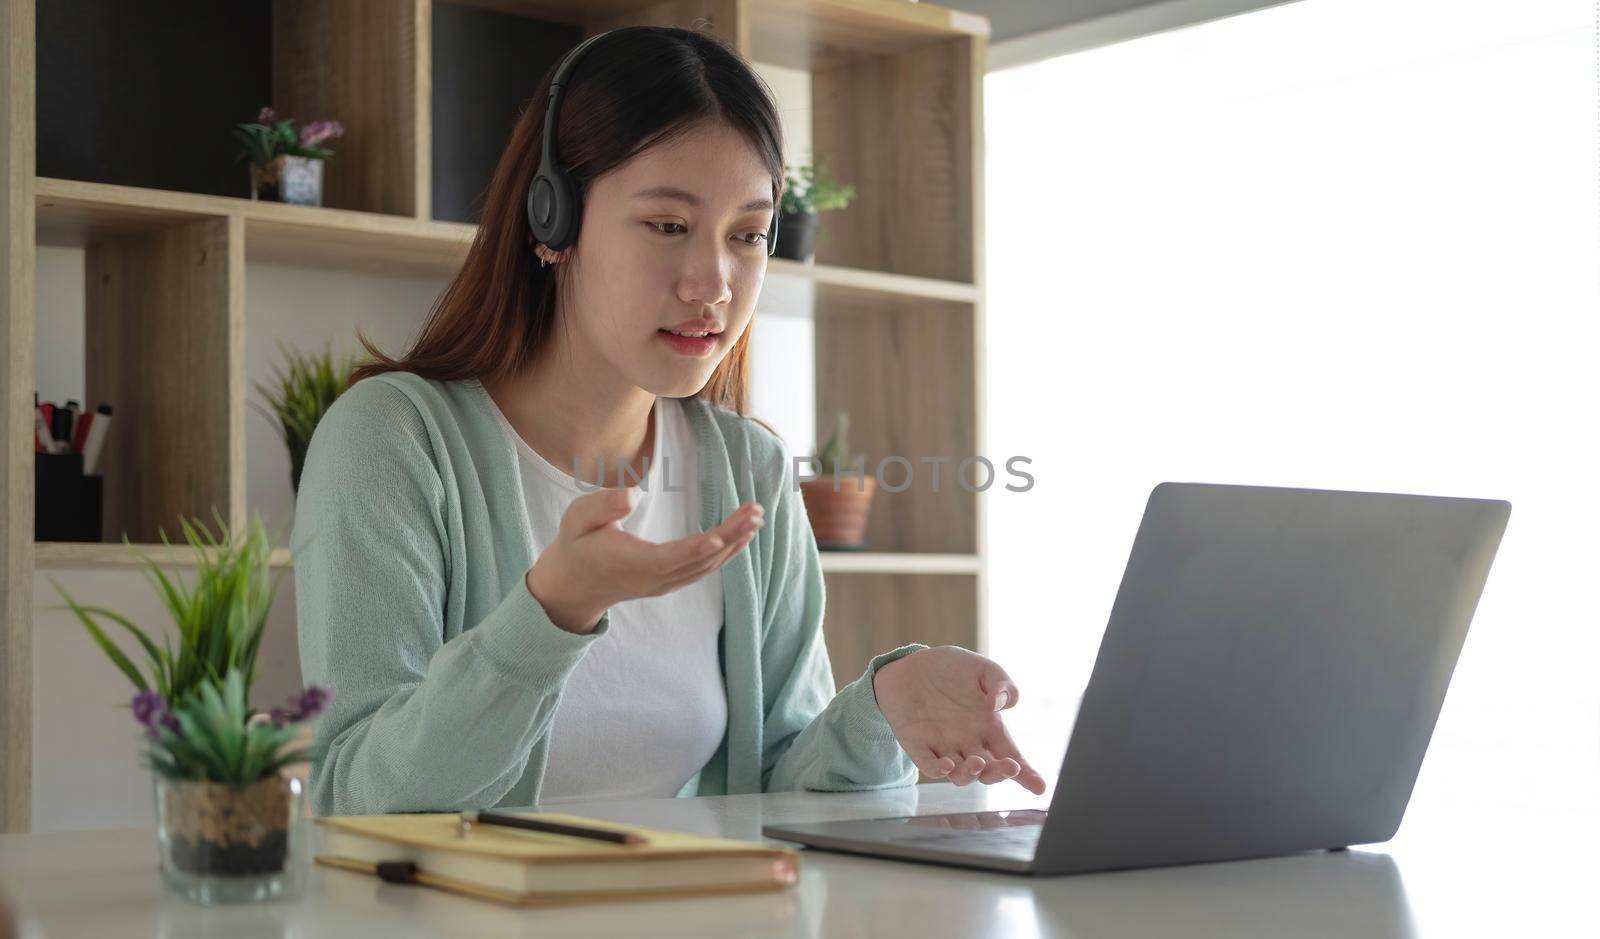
(548, 257)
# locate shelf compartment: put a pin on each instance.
(164, 328)
(906, 130)
(362, 63)
(868, 614)
(903, 371)
(118, 99)
(112, 72)
(486, 65)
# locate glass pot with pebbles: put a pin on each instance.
(229, 819)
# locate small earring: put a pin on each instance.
(548, 257)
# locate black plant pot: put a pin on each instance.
(796, 235)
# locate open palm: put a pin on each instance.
(944, 705)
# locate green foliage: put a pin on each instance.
(193, 700)
(833, 455)
(304, 388)
(807, 189)
(219, 622)
(262, 143)
(218, 740)
(269, 138)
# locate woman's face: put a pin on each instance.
(673, 239)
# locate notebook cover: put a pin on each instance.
(437, 831)
(559, 899)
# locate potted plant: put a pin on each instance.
(227, 817)
(807, 190)
(305, 387)
(836, 507)
(284, 165)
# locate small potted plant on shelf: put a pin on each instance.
(807, 191)
(286, 166)
(227, 816)
(305, 387)
(837, 502)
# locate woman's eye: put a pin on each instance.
(760, 236)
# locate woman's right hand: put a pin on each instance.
(593, 564)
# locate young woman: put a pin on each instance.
(544, 555)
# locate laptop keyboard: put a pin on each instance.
(1002, 839)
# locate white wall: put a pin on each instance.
(783, 392)
(86, 771)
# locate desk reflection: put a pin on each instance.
(1340, 894)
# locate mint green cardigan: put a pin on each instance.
(411, 541)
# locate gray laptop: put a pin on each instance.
(1272, 671)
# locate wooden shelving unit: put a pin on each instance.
(67, 554)
(80, 214)
(898, 284)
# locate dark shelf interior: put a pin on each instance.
(146, 94)
(486, 65)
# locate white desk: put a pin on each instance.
(1518, 870)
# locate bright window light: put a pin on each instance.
(1347, 244)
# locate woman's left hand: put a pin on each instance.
(944, 706)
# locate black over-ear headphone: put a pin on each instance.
(555, 205)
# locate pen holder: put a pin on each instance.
(66, 503)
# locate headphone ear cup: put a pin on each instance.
(553, 209)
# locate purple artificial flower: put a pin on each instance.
(318, 131)
(150, 709)
(311, 702)
(314, 700)
(267, 115)
(148, 706)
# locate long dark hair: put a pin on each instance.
(634, 88)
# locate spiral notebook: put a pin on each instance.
(529, 868)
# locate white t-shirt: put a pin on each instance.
(646, 706)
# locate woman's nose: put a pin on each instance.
(707, 280)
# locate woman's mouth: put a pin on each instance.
(690, 344)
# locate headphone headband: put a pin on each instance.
(558, 87)
(555, 204)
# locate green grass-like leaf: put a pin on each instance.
(118, 658)
(159, 658)
(303, 389)
(203, 667)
